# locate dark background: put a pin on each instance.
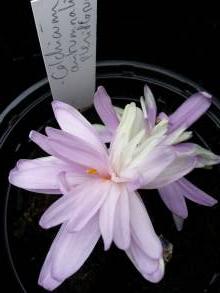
(183, 38)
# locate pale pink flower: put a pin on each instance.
(172, 185)
(98, 187)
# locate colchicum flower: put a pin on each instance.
(172, 189)
(98, 187)
(99, 184)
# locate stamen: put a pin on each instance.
(91, 171)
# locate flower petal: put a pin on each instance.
(41, 140)
(50, 161)
(104, 108)
(162, 116)
(143, 263)
(181, 166)
(122, 136)
(75, 150)
(38, 178)
(174, 200)
(190, 111)
(205, 157)
(72, 250)
(70, 180)
(150, 106)
(185, 149)
(158, 274)
(141, 228)
(44, 143)
(178, 222)
(107, 215)
(140, 154)
(150, 167)
(122, 221)
(63, 209)
(177, 136)
(87, 206)
(73, 122)
(46, 280)
(195, 194)
(104, 133)
(119, 111)
(24, 167)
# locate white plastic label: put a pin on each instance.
(67, 34)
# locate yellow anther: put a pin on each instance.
(91, 171)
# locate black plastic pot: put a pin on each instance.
(195, 265)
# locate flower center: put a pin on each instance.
(92, 171)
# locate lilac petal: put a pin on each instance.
(150, 106)
(104, 133)
(107, 215)
(63, 209)
(195, 194)
(41, 140)
(38, 178)
(174, 200)
(104, 108)
(162, 116)
(25, 164)
(24, 168)
(176, 170)
(46, 280)
(44, 143)
(69, 180)
(64, 186)
(143, 263)
(158, 274)
(141, 228)
(72, 250)
(190, 111)
(46, 191)
(78, 155)
(71, 121)
(49, 283)
(77, 151)
(178, 222)
(185, 149)
(87, 206)
(122, 221)
(99, 150)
